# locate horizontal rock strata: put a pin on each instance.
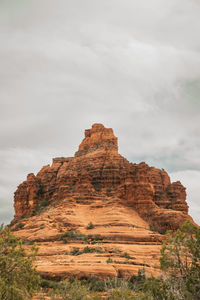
(128, 204)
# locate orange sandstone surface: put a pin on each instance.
(96, 213)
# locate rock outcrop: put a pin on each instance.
(97, 168)
(128, 204)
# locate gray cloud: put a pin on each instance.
(132, 65)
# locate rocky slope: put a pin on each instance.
(96, 213)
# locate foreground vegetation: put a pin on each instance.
(18, 278)
(179, 280)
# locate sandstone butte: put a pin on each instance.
(129, 205)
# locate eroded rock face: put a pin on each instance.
(97, 170)
(96, 139)
(128, 205)
(28, 196)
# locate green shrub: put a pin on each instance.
(18, 278)
(154, 288)
(75, 251)
(121, 294)
(90, 226)
(25, 216)
(94, 284)
(97, 237)
(126, 255)
(89, 250)
(97, 186)
(109, 260)
(19, 226)
(48, 284)
(73, 235)
(156, 229)
(108, 192)
(27, 242)
(180, 259)
(72, 291)
(44, 203)
(118, 283)
(78, 236)
(65, 240)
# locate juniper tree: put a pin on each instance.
(18, 278)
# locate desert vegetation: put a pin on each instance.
(78, 236)
(18, 278)
(179, 278)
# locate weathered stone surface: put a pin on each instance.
(96, 139)
(123, 233)
(98, 185)
(27, 196)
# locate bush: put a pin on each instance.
(94, 284)
(65, 240)
(44, 203)
(76, 235)
(18, 226)
(73, 235)
(126, 255)
(28, 242)
(18, 278)
(97, 237)
(156, 229)
(72, 290)
(97, 186)
(121, 294)
(109, 260)
(108, 192)
(180, 259)
(88, 250)
(138, 280)
(90, 226)
(75, 251)
(155, 288)
(48, 284)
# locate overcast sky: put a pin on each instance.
(133, 65)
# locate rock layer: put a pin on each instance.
(128, 204)
(97, 168)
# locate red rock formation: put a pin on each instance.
(126, 203)
(96, 139)
(98, 171)
(27, 196)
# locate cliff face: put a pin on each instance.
(96, 213)
(98, 169)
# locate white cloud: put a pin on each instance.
(132, 65)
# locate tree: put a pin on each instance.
(18, 278)
(180, 259)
